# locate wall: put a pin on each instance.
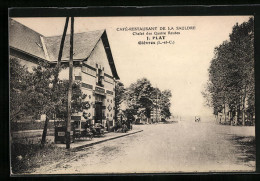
(64, 74)
(98, 56)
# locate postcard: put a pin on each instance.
(132, 94)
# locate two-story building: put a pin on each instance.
(93, 64)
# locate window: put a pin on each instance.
(99, 77)
(77, 77)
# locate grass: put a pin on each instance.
(26, 157)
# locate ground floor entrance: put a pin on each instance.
(99, 105)
(98, 112)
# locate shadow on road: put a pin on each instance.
(170, 122)
(246, 147)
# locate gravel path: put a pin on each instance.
(178, 147)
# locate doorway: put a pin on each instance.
(98, 112)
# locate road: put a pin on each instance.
(185, 146)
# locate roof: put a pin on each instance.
(109, 54)
(33, 43)
(83, 45)
(25, 39)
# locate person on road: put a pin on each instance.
(124, 128)
(93, 130)
(129, 125)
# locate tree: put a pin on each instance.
(165, 103)
(119, 96)
(142, 98)
(138, 97)
(242, 39)
(21, 89)
(231, 75)
(207, 95)
(33, 93)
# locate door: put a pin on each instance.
(98, 111)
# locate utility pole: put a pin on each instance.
(70, 85)
(61, 49)
(55, 79)
(156, 105)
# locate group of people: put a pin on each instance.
(97, 129)
(123, 125)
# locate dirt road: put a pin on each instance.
(185, 146)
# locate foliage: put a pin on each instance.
(138, 96)
(33, 93)
(119, 96)
(165, 103)
(21, 88)
(142, 97)
(231, 74)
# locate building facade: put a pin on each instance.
(94, 66)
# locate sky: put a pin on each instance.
(181, 67)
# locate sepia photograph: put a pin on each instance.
(132, 94)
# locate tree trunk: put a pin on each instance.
(219, 117)
(231, 119)
(44, 133)
(236, 117)
(243, 118)
(253, 119)
(225, 119)
(238, 107)
(243, 110)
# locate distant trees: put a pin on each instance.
(165, 103)
(141, 98)
(230, 89)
